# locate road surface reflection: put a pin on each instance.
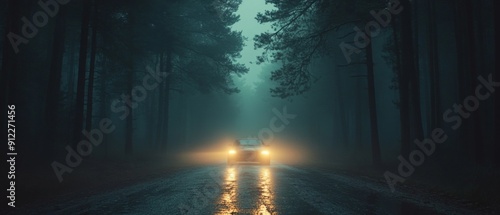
(256, 179)
(228, 198)
(266, 196)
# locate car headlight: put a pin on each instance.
(232, 152)
(265, 152)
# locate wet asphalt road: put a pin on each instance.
(255, 189)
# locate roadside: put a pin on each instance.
(97, 177)
(40, 187)
(462, 192)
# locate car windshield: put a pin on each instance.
(248, 142)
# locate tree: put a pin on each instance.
(54, 86)
(92, 66)
(406, 72)
(344, 133)
(415, 83)
(191, 40)
(497, 77)
(376, 158)
(301, 31)
(471, 138)
(433, 65)
(82, 66)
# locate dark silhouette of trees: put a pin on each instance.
(92, 67)
(93, 54)
(433, 66)
(191, 41)
(407, 70)
(497, 77)
(302, 30)
(54, 86)
(376, 157)
(82, 71)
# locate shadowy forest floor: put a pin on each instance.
(472, 190)
(38, 187)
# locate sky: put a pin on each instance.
(247, 124)
(249, 26)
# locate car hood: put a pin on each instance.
(250, 148)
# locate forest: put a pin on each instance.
(400, 90)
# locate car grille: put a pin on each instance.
(249, 155)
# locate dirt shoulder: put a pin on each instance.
(41, 186)
(478, 193)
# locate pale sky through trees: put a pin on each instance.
(249, 102)
(247, 11)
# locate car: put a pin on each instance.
(249, 150)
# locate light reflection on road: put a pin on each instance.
(266, 197)
(228, 198)
(257, 180)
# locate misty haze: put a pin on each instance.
(250, 106)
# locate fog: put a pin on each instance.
(352, 84)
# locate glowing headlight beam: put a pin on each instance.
(265, 152)
(232, 152)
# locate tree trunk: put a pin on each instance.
(463, 137)
(71, 85)
(53, 91)
(103, 108)
(471, 139)
(166, 100)
(358, 132)
(159, 133)
(132, 49)
(433, 67)
(397, 71)
(497, 78)
(415, 89)
(187, 122)
(151, 116)
(90, 87)
(474, 73)
(376, 159)
(82, 65)
(129, 127)
(408, 68)
(344, 134)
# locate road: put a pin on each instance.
(255, 189)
